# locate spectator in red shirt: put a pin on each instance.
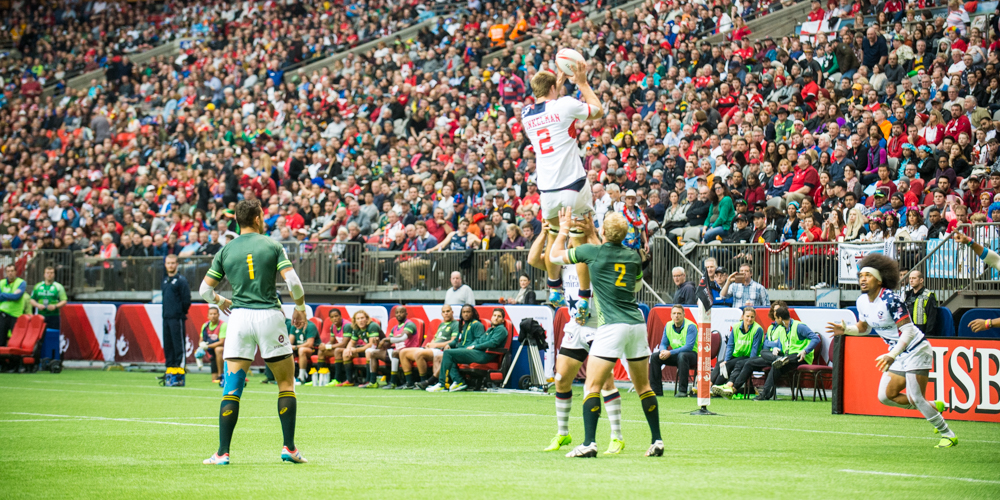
(817, 13)
(294, 219)
(959, 123)
(804, 181)
(971, 196)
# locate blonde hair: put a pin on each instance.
(360, 311)
(542, 83)
(615, 228)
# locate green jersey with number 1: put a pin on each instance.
(251, 263)
(614, 271)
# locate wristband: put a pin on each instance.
(989, 324)
(300, 308)
(969, 244)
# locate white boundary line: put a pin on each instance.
(475, 413)
(81, 417)
(921, 476)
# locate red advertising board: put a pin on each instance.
(966, 376)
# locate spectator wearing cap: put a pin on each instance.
(972, 193)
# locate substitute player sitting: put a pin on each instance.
(431, 353)
(303, 339)
(910, 357)
(574, 351)
(327, 350)
(404, 333)
(551, 125)
(365, 335)
(621, 327)
(252, 262)
(213, 340)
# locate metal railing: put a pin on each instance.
(431, 271)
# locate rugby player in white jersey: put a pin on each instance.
(551, 125)
(910, 357)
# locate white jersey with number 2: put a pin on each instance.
(551, 127)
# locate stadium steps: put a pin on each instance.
(774, 25)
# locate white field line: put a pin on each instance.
(921, 476)
(506, 414)
(82, 417)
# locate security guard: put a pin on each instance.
(676, 349)
(176, 302)
(12, 302)
(922, 304)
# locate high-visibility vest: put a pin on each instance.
(743, 341)
(678, 337)
(793, 344)
(13, 308)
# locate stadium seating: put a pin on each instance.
(25, 340)
(819, 371)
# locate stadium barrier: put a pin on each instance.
(966, 376)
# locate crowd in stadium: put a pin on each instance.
(883, 128)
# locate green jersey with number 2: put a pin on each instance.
(614, 271)
(251, 263)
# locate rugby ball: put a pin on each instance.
(567, 57)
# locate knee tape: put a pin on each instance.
(233, 383)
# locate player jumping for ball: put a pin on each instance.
(621, 329)
(910, 357)
(252, 263)
(550, 123)
(573, 352)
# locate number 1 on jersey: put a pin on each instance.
(621, 274)
(544, 137)
(250, 265)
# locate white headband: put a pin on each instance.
(872, 271)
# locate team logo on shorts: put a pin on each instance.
(281, 339)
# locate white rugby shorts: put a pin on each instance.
(921, 358)
(582, 202)
(252, 328)
(620, 340)
(576, 336)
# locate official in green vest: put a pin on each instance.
(677, 348)
(744, 343)
(12, 302)
(769, 353)
(48, 297)
(797, 344)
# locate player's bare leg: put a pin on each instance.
(392, 359)
(889, 394)
(406, 359)
(557, 296)
(577, 238)
(219, 362)
(305, 353)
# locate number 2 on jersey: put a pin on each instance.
(250, 265)
(544, 137)
(621, 274)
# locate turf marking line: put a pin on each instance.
(899, 474)
(84, 417)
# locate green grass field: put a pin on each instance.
(118, 435)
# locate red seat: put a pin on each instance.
(928, 199)
(492, 373)
(818, 371)
(917, 186)
(15, 344)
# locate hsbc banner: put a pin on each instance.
(966, 376)
(87, 332)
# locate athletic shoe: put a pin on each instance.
(681, 394)
(717, 390)
(583, 451)
(374, 385)
(436, 388)
(309, 383)
(556, 298)
(364, 385)
(615, 447)
(422, 385)
(388, 386)
(217, 460)
(582, 311)
(558, 442)
(298, 382)
(655, 449)
(216, 380)
(346, 383)
(458, 387)
(334, 382)
(762, 398)
(406, 387)
(947, 442)
(940, 407)
(294, 456)
(780, 362)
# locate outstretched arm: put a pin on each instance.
(580, 79)
(988, 256)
